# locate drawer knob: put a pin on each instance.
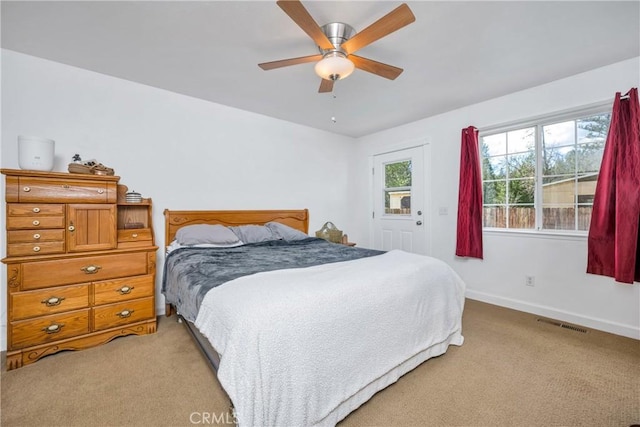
(26, 189)
(36, 223)
(124, 314)
(36, 249)
(54, 328)
(36, 210)
(65, 186)
(52, 302)
(36, 236)
(100, 191)
(125, 290)
(134, 235)
(91, 269)
(72, 227)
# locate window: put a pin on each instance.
(542, 175)
(397, 188)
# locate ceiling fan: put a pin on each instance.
(338, 42)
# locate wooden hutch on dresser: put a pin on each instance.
(81, 263)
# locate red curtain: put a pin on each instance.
(614, 240)
(469, 231)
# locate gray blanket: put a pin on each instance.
(189, 273)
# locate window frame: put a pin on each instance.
(538, 123)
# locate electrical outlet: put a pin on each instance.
(529, 280)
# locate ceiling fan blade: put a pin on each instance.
(393, 21)
(291, 61)
(383, 70)
(326, 86)
(300, 16)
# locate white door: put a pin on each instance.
(399, 214)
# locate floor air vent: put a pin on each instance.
(563, 325)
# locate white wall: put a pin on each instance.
(182, 152)
(562, 288)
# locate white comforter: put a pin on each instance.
(304, 347)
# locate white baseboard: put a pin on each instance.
(553, 313)
(161, 310)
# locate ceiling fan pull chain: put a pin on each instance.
(333, 106)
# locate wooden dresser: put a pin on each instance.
(78, 274)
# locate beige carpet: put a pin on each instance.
(511, 371)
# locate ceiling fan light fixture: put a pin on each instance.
(334, 66)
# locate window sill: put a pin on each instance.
(538, 234)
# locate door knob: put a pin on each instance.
(418, 222)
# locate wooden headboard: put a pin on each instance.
(173, 220)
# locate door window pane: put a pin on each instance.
(397, 202)
(397, 192)
(397, 174)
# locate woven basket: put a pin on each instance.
(330, 232)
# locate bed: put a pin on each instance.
(302, 331)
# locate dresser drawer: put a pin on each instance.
(108, 316)
(43, 274)
(45, 329)
(40, 209)
(48, 301)
(135, 234)
(34, 222)
(35, 236)
(134, 238)
(33, 189)
(40, 248)
(110, 291)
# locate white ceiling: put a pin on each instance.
(455, 53)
